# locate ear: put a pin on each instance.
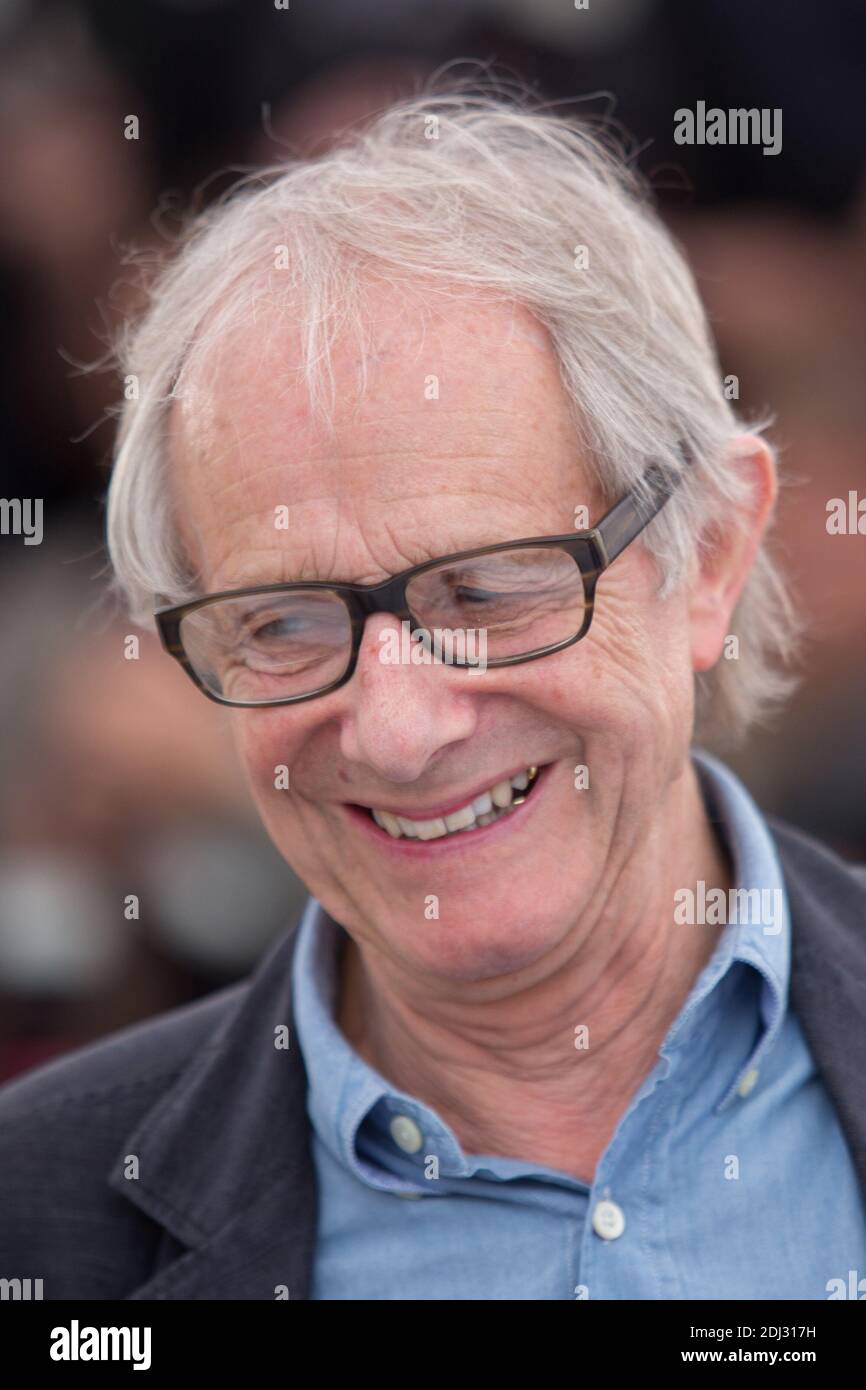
(727, 550)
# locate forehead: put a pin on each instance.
(450, 428)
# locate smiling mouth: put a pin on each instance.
(499, 800)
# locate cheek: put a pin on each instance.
(633, 670)
(266, 749)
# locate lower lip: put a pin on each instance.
(464, 841)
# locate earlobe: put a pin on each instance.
(726, 553)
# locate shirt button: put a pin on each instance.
(406, 1134)
(608, 1220)
(747, 1085)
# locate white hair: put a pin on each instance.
(469, 193)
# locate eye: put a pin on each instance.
(284, 626)
(468, 595)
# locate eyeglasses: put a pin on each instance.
(280, 644)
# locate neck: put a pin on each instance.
(501, 1061)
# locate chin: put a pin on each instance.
(459, 949)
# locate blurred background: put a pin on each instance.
(133, 873)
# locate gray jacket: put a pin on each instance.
(224, 1203)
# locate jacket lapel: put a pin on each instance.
(828, 973)
(224, 1157)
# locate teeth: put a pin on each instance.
(391, 824)
(501, 794)
(459, 820)
(431, 829)
(485, 809)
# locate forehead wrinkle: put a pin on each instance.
(450, 527)
(509, 505)
(287, 562)
(453, 433)
(276, 565)
(383, 482)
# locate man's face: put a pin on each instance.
(404, 478)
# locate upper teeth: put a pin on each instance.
(480, 811)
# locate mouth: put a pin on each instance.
(462, 821)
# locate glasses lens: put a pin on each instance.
(266, 647)
(519, 599)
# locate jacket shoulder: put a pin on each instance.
(827, 897)
(61, 1127)
(132, 1059)
(817, 862)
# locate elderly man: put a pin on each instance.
(558, 979)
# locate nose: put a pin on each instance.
(398, 716)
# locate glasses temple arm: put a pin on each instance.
(631, 514)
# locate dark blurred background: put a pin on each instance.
(133, 872)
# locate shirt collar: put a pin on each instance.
(763, 939)
(343, 1089)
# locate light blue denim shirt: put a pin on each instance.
(727, 1177)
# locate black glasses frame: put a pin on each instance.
(593, 551)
